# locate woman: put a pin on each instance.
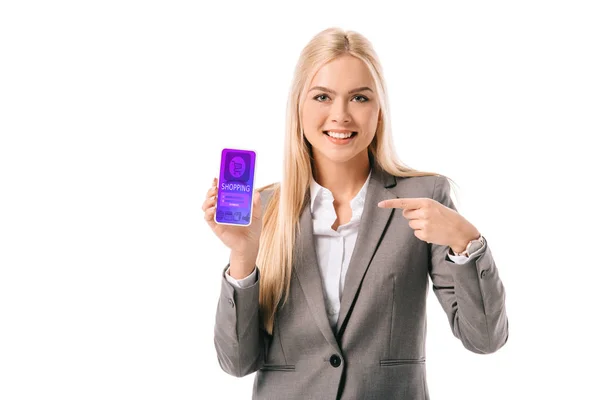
(325, 292)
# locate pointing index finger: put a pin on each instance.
(407, 203)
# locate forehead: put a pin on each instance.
(343, 72)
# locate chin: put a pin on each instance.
(339, 155)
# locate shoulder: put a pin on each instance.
(431, 186)
(266, 192)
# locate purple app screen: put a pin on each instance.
(236, 186)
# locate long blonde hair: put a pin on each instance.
(282, 212)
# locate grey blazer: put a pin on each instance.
(377, 350)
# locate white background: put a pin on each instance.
(113, 115)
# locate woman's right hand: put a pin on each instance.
(242, 240)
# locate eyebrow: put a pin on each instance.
(324, 89)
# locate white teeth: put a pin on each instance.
(338, 135)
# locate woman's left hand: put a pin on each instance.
(435, 223)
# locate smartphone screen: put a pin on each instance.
(236, 186)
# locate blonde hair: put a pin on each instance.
(282, 212)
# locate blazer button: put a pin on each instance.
(335, 361)
(484, 273)
(230, 301)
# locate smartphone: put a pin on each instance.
(236, 186)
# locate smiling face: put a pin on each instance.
(341, 97)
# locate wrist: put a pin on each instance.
(461, 245)
(241, 265)
(459, 248)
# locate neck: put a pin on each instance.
(344, 180)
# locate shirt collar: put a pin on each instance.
(317, 191)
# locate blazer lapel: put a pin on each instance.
(374, 221)
(306, 268)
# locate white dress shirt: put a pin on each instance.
(333, 247)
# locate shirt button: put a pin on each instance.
(335, 361)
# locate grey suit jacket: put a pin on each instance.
(377, 350)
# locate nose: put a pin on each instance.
(339, 111)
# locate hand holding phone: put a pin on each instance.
(234, 193)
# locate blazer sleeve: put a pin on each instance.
(471, 294)
(239, 340)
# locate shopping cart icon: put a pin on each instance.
(238, 168)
